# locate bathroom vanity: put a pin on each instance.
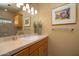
(27, 45)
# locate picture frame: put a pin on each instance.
(65, 14)
(27, 21)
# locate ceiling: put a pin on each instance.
(11, 7)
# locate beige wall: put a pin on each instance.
(60, 42)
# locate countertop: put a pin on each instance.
(11, 45)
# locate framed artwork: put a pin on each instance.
(65, 14)
(27, 21)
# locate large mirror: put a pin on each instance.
(17, 18)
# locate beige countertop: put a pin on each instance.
(9, 46)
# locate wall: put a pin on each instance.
(60, 42)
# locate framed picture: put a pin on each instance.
(65, 14)
(27, 21)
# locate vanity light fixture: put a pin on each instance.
(29, 11)
(32, 13)
(36, 12)
(32, 9)
(18, 5)
(24, 8)
(27, 7)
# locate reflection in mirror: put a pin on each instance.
(7, 25)
(12, 18)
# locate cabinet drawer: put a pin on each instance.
(24, 52)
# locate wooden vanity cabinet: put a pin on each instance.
(38, 49)
(24, 52)
(34, 49)
(35, 53)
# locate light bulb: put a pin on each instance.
(18, 5)
(36, 12)
(32, 13)
(32, 9)
(29, 11)
(27, 6)
(24, 8)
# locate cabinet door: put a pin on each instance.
(18, 20)
(35, 53)
(33, 47)
(24, 52)
(46, 47)
(41, 51)
(45, 50)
